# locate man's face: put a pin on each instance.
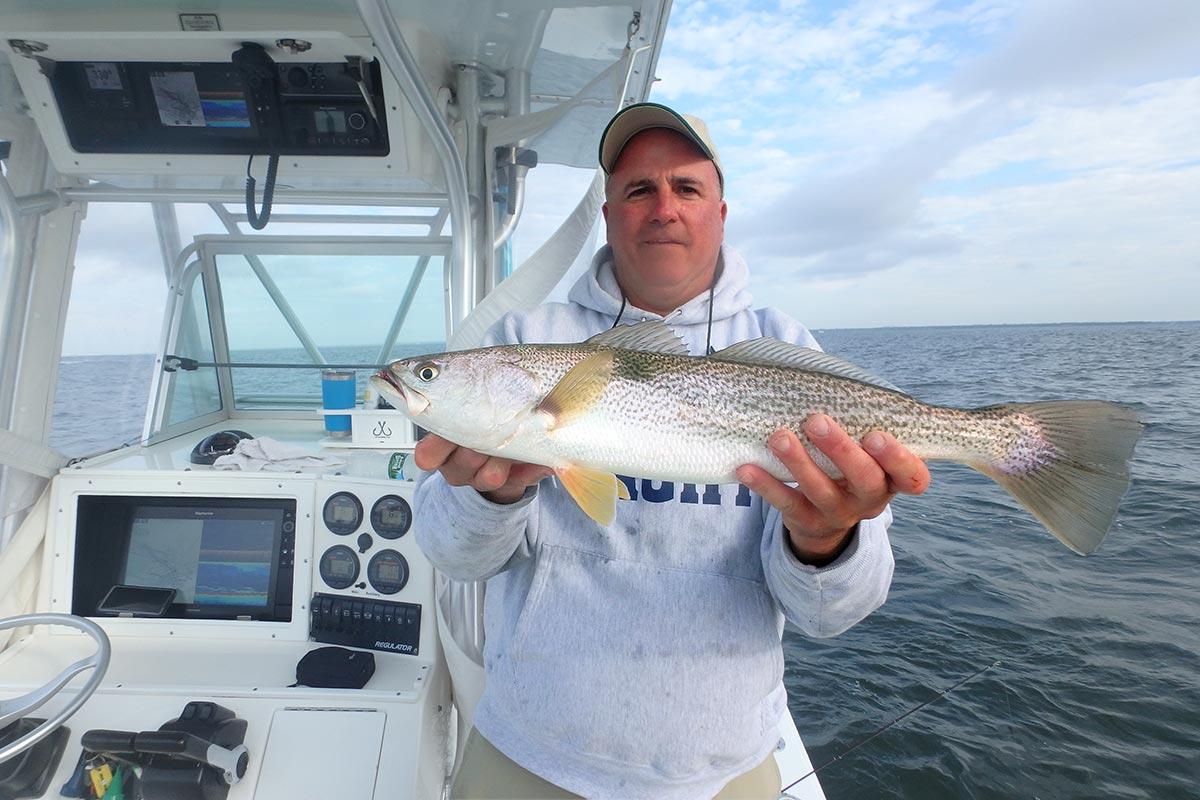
(665, 219)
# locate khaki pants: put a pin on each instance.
(488, 774)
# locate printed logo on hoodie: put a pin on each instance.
(665, 491)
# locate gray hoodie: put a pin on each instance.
(642, 660)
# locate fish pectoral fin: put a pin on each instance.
(594, 490)
(578, 390)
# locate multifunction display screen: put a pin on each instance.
(225, 557)
(209, 556)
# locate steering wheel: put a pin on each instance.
(20, 707)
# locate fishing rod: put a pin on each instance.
(783, 793)
(176, 363)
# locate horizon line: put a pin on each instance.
(813, 328)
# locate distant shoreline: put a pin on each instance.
(1021, 325)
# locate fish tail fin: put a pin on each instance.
(1069, 466)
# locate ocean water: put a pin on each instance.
(1098, 691)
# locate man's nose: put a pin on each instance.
(666, 208)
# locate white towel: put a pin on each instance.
(271, 455)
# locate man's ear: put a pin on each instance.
(604, 210)
(724, 211)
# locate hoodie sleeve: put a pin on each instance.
(825, 601)
(466, 536)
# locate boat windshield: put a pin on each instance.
(354, 309)
(303, 304)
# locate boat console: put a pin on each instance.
(211, 586)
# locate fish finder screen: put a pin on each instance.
(209, 556)
(224, 557)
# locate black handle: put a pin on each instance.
(173, 743)
(106, 741)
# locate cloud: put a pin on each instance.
(1146, 127)
(1073, 43)
(866, 218)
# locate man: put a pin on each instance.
(643, 660)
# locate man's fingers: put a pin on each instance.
(489, 475)
(432, 451)
(811, 480)
(528, 474)
(518, 476)
(790, 502)
(864, 476)
(462, 465)
(905, 473)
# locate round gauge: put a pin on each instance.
(339, 566)
(343, 513)
(391, 516)
(387, 572)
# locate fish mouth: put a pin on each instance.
(414, 401)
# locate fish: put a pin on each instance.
(633, 401)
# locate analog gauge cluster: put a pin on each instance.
(368, 557)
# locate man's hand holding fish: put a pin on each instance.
(500, 480)
(820, 513)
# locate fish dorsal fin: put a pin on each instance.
(653, 336)
(770, 352)
(578, 390)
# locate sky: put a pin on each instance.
(913, 162)
(889, 162)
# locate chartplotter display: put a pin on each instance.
(207, 555)
(224, 557)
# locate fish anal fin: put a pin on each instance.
(594, 490)
(578, 390)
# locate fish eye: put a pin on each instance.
(426, 371)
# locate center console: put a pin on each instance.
(212, 586)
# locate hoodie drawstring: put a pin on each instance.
(622, 311)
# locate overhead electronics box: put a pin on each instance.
(199, 103)
(251, 105)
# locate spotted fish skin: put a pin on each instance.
(671, 416)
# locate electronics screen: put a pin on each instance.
(223, 557)
(210, 556)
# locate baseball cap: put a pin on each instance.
(638, 117)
